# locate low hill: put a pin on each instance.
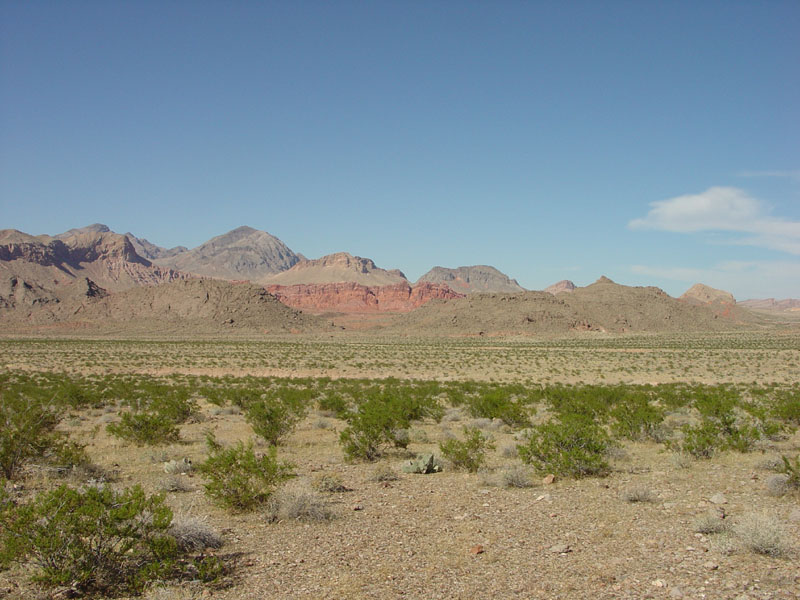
(604, 306)
(477, 279)
(193, 306)
(337, 268)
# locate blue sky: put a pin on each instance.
(656, 143)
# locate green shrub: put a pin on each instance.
(791, 468)
(469, 454)
(334, 402)
(715, 435)
(381, 422)
(574, 447)
(144, 428)
(94, 540)
(498, 404)
(635, 418)
(271, 420)
(28, 431)
(239, 479)
(786, 407)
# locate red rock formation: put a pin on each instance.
(351, 297)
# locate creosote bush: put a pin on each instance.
(95, 540)
(469, 454)
(574, 446)
(28, 432)
(240, 479)
(381, 422)
(144, 428)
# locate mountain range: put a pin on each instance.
(91, 274)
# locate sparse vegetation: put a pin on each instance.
(487, 384)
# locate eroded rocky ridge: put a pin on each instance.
(47, 263)
(477, 279)
(700, 293)
(337, 268)
(352, 297)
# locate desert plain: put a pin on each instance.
(354, 528)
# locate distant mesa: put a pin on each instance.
(565, 285)
(353, 297)
(337, 268)
(772, 305)
(477, 279)
(703, 294)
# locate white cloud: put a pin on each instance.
(744, 279)
(723, 209)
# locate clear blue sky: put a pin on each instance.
(657, 143)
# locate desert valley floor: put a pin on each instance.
(660, 523)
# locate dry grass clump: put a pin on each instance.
(509, 451)
(383, 473)
(681, 460)
(453, 414)
(517, 476)
(174, 483)
(298, 505)
(175, 467)
(771, 463)
(712, 522)
(638, 493)
(329, 482)
(193, 535)
(762, 533)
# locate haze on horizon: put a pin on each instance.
(652, 143)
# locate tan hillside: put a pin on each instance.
(337, 268)
(603, 306)
(193, 306)
(703, 294)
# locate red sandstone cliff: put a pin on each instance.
(351, 297)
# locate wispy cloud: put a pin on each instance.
(723, 209)
(745, 279)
